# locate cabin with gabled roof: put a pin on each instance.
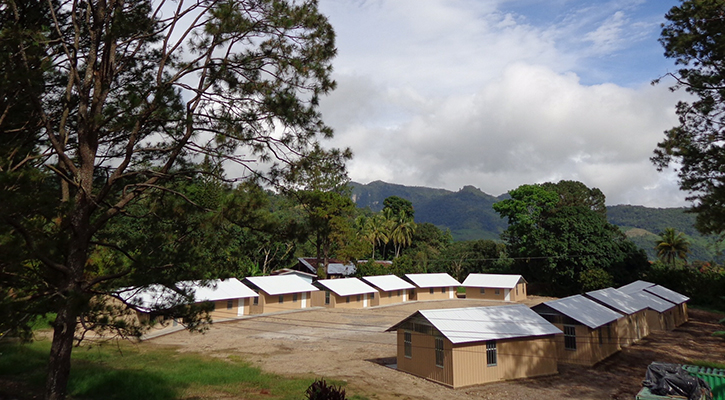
(633, 326)
(391, 289)
(471, 346)
(434, 286)
(502, 287)
(279, 293)
(343, 293)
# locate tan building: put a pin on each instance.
(279, 293)
(590, 329)
(230, 299)
(437, 286)
(679, 300)
(471, 346)
(503, 287)
(633, 326)
(391, 289)
(660, 312)
(343, 293)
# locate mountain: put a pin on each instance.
(469, 215)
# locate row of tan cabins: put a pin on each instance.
(463, 346)
(471, 346)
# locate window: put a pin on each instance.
(517, 290)
(294, 297)
(570, 337)
(498, 291)
(491, 354)
(443, 290)
(601, 335)
(408, 344)
(256, 300)
(398, 293)
(358, 298)
(431, 290)
(230, 304)
(327, 297)
(281, 298)
(347, 299)
(439, 352)
(390, 294)
(372, 296)
(483, 291)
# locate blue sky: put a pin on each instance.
(495, 94)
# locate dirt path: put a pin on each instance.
(349, 345)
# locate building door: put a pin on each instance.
(365, 300)
(507, 294)
(405, 295)
(304, 300)
(240, 308)
(452, 293)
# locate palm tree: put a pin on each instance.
(672, 245)
(374, 230)
(401, 232)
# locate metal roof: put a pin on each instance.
(340, 269)
(654, 302)
(635, 286)
(667, 294)
(584, 310)
(475, 324)
(620, 302)
(280, 284)
(345, 286)
(432, 280)
(159, 296)
(505, 281)
(387, 283)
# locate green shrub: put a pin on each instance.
(320, 390)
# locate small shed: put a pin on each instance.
(679, 300)
(590, 329)
(633, 326)
(279, 293)
(391, 289)
(504, 287)
(471, 346)
(660, 312)
(436, 286)
(344, 293)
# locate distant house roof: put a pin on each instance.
(334, 267)
(653, 302)
(308, 277)
(635, 286)
(667, 294)
(432, 280)
(158, 296)
(620, 302)
(505, 281)
(474, 324)
(280, 284)
(387, 283)
(583, 310)
(345, 286)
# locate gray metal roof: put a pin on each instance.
(340, 269)
(620, 302)
(432, 280)
(667, 294)
(635, 286)
(345, 286)
(280, 284)
(387, 283)
(505, 281)
(475, 324)
(584, 310)
(654, 302)
(159, 296)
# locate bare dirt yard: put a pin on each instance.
(352, 346)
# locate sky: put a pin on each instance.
(500, 93)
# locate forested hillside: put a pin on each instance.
(469, 215)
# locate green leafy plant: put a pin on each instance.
(321, 390)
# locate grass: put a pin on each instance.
(131, 371)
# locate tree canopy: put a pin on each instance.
(692, 36)
(118, 118)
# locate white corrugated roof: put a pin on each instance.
(432, 280)
(635, 286)
(654, 302)
(281, 284)
(505, 281)
(620, 302)
(158, 296)
(667, 294)
(586, 311)
(346, 286)
(475, 324)
(387, 283)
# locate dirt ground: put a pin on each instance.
(352, 346)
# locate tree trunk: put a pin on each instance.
(60, 353)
